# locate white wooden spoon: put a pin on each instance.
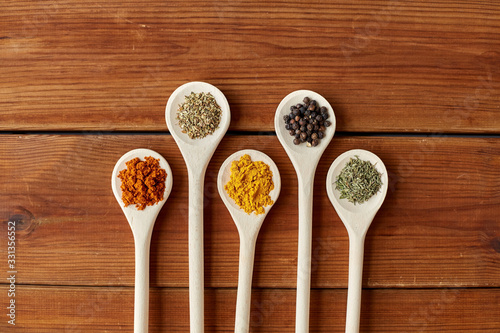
(357, 219)
(141, 222)
(197, 154)
(248, 226)
(305, 160)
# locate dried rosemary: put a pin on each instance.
(199, 115)
(358, 181)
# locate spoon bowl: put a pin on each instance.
(197, 154)
(134, 216)
(141, 222)
(177, 98)
(356, 216)
(305, 160)
(248, 226)
(357, 219)
(299, 153)
(239, 216)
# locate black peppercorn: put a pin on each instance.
(307, 122)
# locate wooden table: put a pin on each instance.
(417, 83)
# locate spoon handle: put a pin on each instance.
(243, 298)
(141, 297)
(195, 230)
(304, 253)
(356, 249)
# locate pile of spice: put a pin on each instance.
(199, 115)
(250, 184)
(143, 182)
(307, 122)
(358, 181)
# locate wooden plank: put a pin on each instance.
(77, 309)
(391, 66)
(438, 227)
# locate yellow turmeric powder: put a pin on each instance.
(250, 184)
(143, 182)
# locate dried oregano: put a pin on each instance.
(199, 115)
(358, 181)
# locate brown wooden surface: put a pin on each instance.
(437, 228)
(417, 83)
(111, 310)
(111, 65)
(436, 234)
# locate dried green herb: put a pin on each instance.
(199, 115)
(358, 181)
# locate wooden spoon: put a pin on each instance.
(305, 160)
(197, 154)
(141, 222)
(248, 226)
(357, 219)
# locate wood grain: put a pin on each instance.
(385, 66)
(77, 309)
(438, 227)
